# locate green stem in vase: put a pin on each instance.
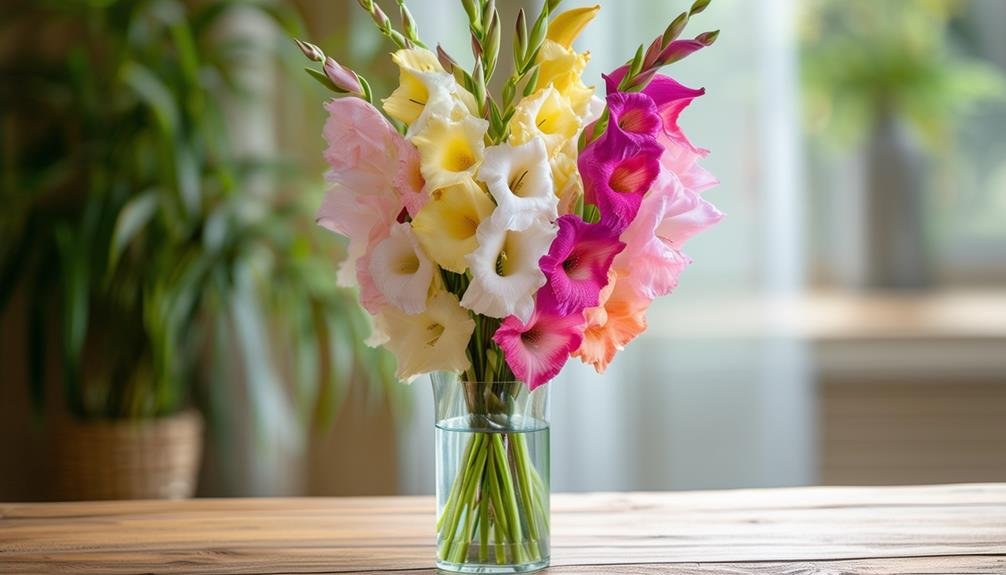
(484, 517)
(516, 533)
(469, 475)
(524, 487)
(458, 482)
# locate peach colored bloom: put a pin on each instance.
(619, 318)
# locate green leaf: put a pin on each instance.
(323, 80)
(152, 92)
(132, 219)
(74, 311)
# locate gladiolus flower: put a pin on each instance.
(562, 68)
(670, 98)
(433, 340)
(635, 116)
(366, 157)
(670, 214)
(577, 263)
(620, 317)
(504, 268)
(546, 115)
(617, 172)
(401, 270)
(451, 151)
(424, 90)
(446, 226)
(537, 349)
(520, 180)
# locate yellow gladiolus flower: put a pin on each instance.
(546, 115)
(562, 67)
(418, 69)
(447, 224)
(565, 27)
(424, 89)
(432, 340)
(450, 150)
(566, 177)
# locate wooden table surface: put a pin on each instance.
(882, 530)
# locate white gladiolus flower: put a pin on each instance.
(504, 268)
(520, 180)
(401, 270)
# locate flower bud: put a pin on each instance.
(342, 77)
(445, 59)
(310, 51)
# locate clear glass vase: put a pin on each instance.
(492, 476)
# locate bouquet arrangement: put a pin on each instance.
(496, 236)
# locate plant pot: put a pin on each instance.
(492, 444)
(155, 458)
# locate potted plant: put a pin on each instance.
(150, 256)
(884, 72)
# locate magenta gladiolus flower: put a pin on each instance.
(577, 263)
(537, 350)
(670, 98)
(635, 115)
(616, 173)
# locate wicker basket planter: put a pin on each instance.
(154, 458)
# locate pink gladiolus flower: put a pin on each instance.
(372, 174)
(577, 263)
(616, 173)
(669, 215)
(537, 350)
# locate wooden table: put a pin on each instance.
(940, 529)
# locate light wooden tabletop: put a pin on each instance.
(882, 530)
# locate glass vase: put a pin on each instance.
(492, 449)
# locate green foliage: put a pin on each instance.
(144, 245)
(864, 57)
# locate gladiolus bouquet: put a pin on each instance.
(497, 236)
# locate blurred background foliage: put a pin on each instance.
(863, 58)
(153, 253)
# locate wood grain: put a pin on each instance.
(935, 529)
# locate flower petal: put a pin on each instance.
(577, 263)
(617, 321)
(433, 340)
(447, 225)
(546, 115)
(401, 270)
(451, 151)
(520, 179)
(537, 349)
(504, 268)
(617, 172)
